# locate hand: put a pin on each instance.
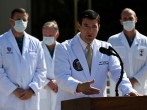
(133, 81)
(133, 94)
(19, 92)
(27, 94)
(87, 89)
(53, 85)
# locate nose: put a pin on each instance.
(90, 30)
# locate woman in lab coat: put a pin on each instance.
(75, 78)
(22, 66)
(48, 94)
(132, 48)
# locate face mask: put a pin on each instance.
(20, 25)
(129, 25)
(49, 40)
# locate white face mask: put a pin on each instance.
(49, 40)
(129, 25)
(20, 25)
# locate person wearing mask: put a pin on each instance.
(131, 45)
(22, 65)
(48, 94)
(81, 69)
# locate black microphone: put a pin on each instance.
(106, 51)
(111, 51)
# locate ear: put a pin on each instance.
(57, 35)
(136, 20)
(78, 26)
(11, 22)
(99, 26)
(121, 22)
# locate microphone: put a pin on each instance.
(110, 51)
(106, 51)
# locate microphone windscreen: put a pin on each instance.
(105, 51)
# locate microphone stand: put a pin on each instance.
(122, 70)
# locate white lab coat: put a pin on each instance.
(20, 70)
(47, 96)
(134, 58)
(71, 69)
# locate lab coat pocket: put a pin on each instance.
(32, 54)
(141, 52)
(32, 58)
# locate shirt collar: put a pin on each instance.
(84, 44)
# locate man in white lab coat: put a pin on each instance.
(132, 48)
(22, 66)
(77, 76)
(48, 94)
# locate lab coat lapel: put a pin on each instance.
(124, 40)
(13, 42)
(47, 54)
(48, 57)
(26, 42)
(78, 51)
(95, 59)
(136, 41)
(54, 50)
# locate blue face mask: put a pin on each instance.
(20, 25)
(128, 25)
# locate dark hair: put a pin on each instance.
(90, 14)
(18, 10)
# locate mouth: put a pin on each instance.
(89, 36)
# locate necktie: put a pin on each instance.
(89, 56)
